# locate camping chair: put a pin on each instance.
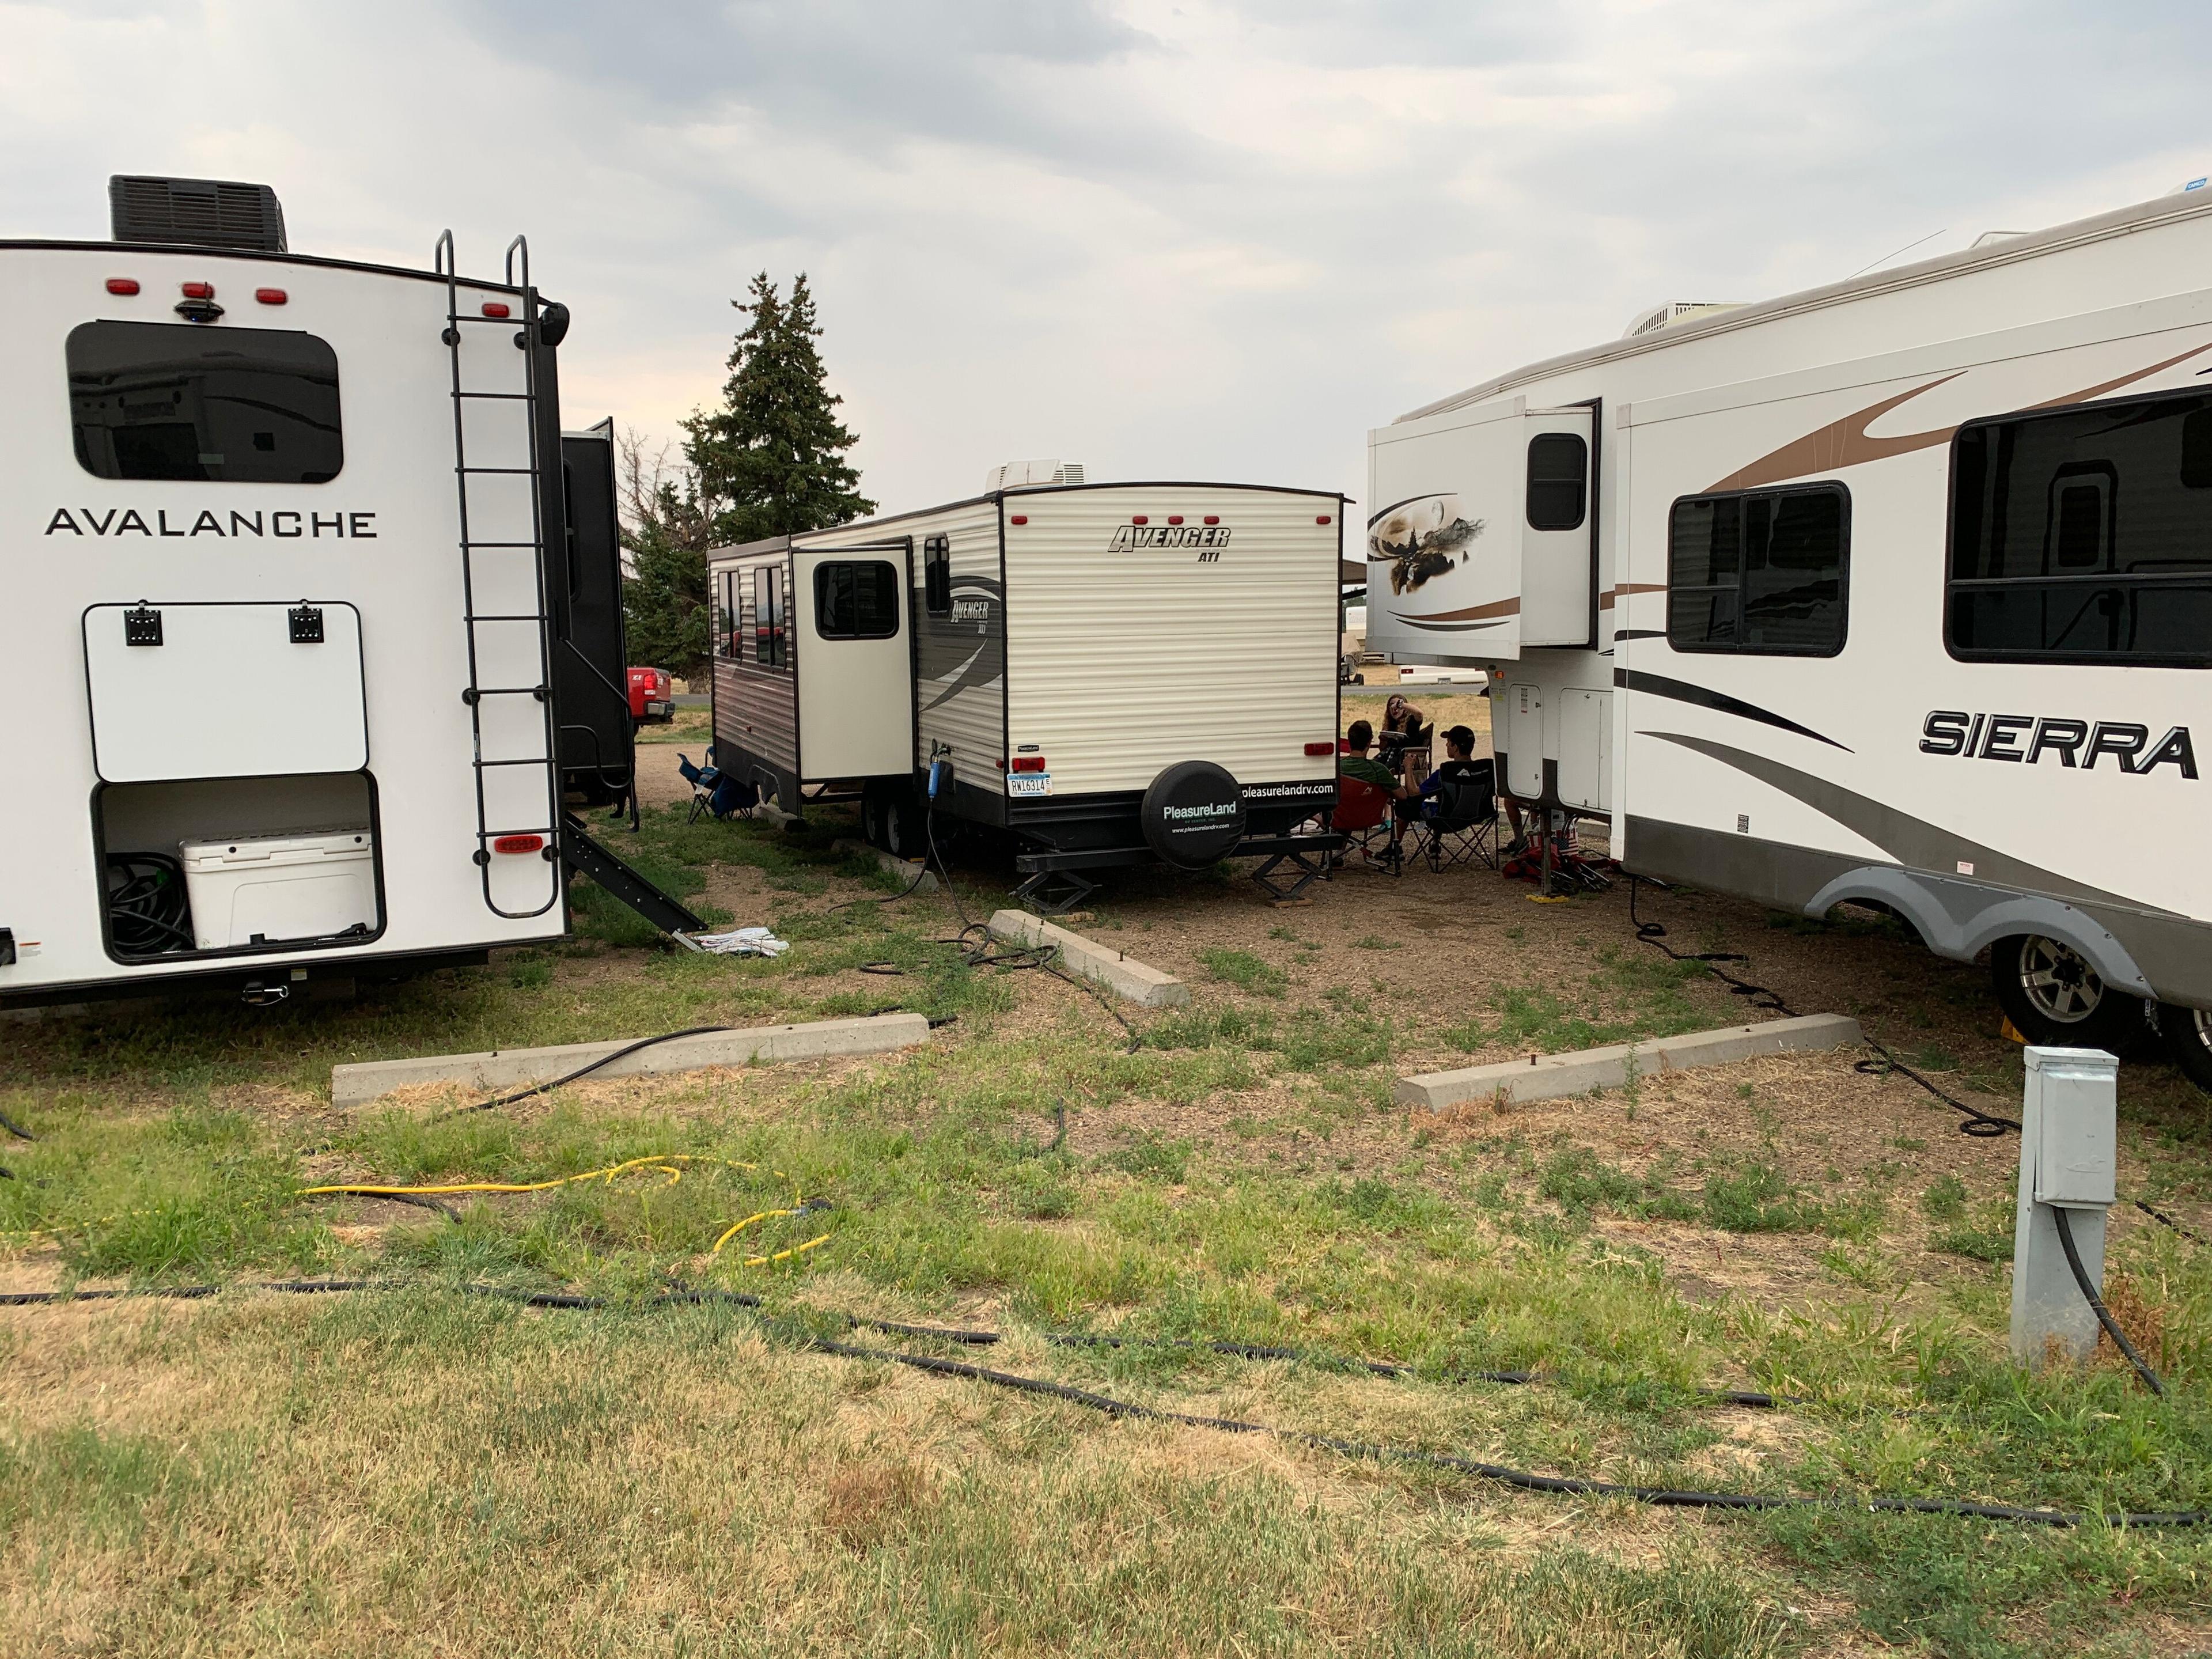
(1363, 817)
(713, 791)
(1465, 827)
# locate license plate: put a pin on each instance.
(1021, 784)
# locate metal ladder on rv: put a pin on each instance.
(488, 529)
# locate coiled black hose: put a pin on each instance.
(148, 913)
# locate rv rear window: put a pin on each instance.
(185, 401)
(1762, 572)
(856, 599)
(2084, 535)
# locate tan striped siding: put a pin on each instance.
(1122, 662)
(755, 709)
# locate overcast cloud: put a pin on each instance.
(1168, 239)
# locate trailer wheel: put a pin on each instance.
(871, 816)
(2053, 996)
(2188, 1034)
(903, 827)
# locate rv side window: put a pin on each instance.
(182, 401)
(770, 649)
(729, 641)
(937, 575)
(1559, 465)
(2085, 535)
(856, 599)
(1762, 572)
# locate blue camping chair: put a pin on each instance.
(713, 791)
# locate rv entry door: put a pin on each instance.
(1557, 528)
(852, 642)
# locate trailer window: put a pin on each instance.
(1762, 572)
(185, 401)
(2084, 535)
(771, 648)
(937, 575)
(1559, 468)
(856, 599)
(729, 641)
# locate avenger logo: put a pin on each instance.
(2029, 737)
(1211, 536)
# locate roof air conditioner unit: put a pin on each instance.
(1016, 474)
(198, 212)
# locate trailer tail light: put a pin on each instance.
(270, 296)
(123, 285)
(518, 843)
(1019, 518)
(1026, 763)
(1322, 518)
(1327, 747)
(496, 308)
(199, 290)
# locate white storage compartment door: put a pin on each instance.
(1557, 528)
(854, 649)
(1586, 749)
(1444, 537)
(224, 691)
(1517, 711)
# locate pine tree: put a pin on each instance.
(667, 534)
(771, 460)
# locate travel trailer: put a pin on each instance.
(329, 737)
(1895, 592)
(1021, 659)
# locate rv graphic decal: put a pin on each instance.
(968, 648)
(1421, 537)
(1163, 535)
(284, 525)
(2029, 737)
(1847, 442)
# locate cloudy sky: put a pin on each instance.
(1168, 239)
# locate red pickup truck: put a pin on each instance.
(650, 698)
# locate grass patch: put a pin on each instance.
(1244, 970)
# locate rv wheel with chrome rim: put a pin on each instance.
(2054, 996)
(2188, 1034)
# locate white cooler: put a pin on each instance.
(309, 884)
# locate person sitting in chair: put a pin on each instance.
(1458, 766)
(1357, 762)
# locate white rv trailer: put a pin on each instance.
(314, 740)
(1896, 592)
(1110, 673)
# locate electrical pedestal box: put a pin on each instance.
(260, 889)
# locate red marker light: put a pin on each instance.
(1323, 519)
(496, 308)
(199, 291)
(1174, 518)
(1327, 746)
(517, 843)
(1019, 518)
(123, 285)
(1213, 517)
(1138, 517)
(270, 296)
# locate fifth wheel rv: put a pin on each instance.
(294, 600)
(1895, 592)
(1022, 660)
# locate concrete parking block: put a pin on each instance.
(753, 1045)
(1547, 1077)
(1127, 978)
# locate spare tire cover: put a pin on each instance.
(1193, 814)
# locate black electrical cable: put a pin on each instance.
(2097, 1302)
(148, 910)
(1568, 1485)
(15, 1129)
(1980, 1124)
(581, 1072)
